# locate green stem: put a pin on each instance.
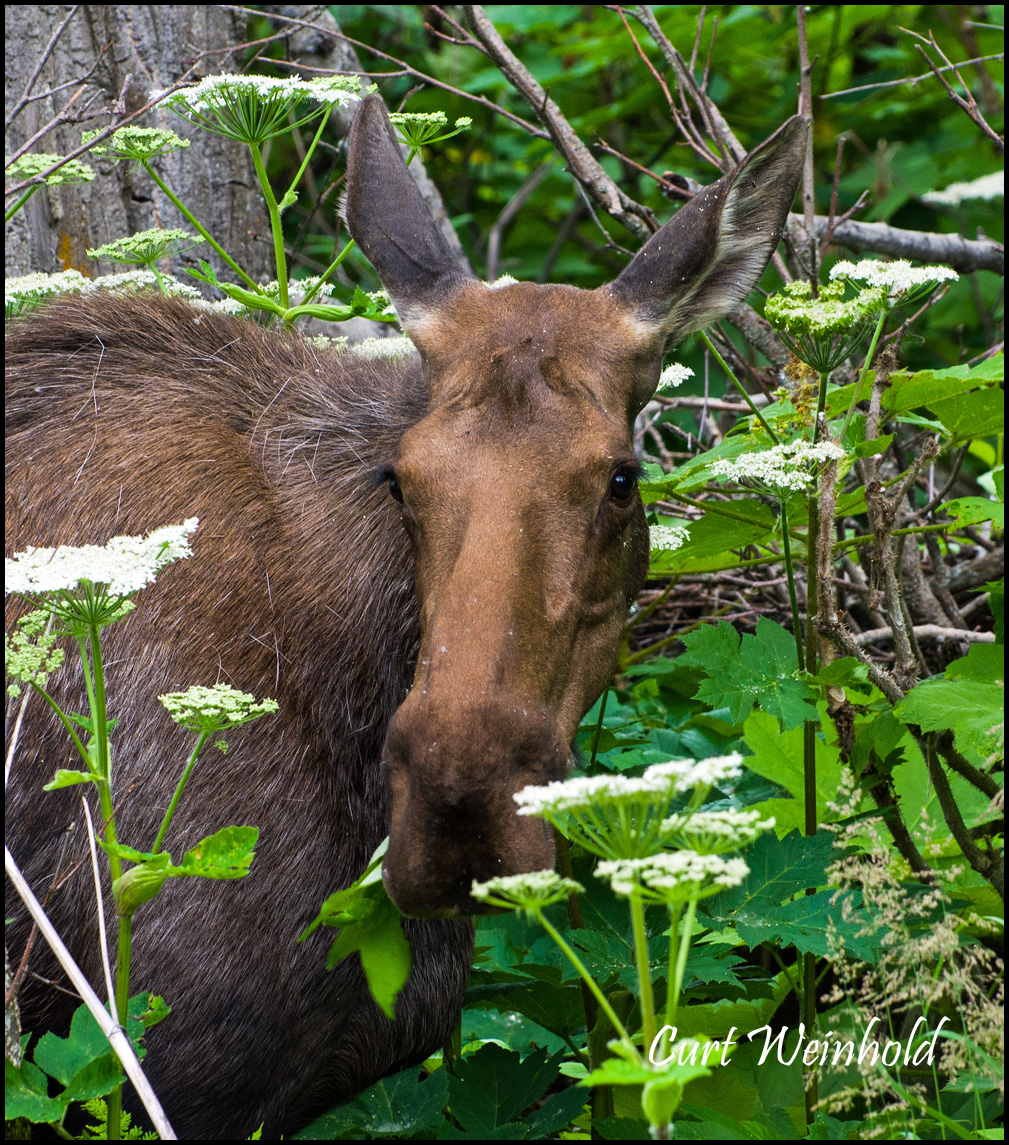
(275, 225)
(308, 153)
(715, 507)
(673, 995)
(190, 764)
(324, 277)
(739, 386)
(577, 963)
(201, 229)
(864, 372)
(681, 961)
(790, 577)
(21, 202)
(67, 724)
(644, 973)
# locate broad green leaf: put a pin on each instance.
(970, 707)
(779, 868)
(779, 757)
(95, 1079)
(973, 511)
(754, 669)
(493, 1086)
(976, 414)
(712, 538)
(379, 939)
(26, 1094)
(984, 662)
(559, 1110)
(397, 1106)
(559, 1009)
(227, 854)
(720, 1019)
(62, 1058)
(810, 924)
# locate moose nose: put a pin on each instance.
(453, 774)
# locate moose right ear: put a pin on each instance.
(709, 256)
(389, 220)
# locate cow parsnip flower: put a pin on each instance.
(21, 292)
(137, 144)
(73, 172)
(620, 816)
(986, 187)
(783, 468)
(672, 878)
(672, 376)
(531, 892)
(667, 538)
(714, 832)
(822, 331)
(30, 652)
(391, 349)
(899, 281)
(146, 247)
(253, 109)
(419, 128)
(215, 709)
(123, 566)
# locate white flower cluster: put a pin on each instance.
(783, 467)
(896, 277)
(713, 832)
(502, 280)
(125, 565)
(660, 781)
(390, 348)
(679, 876)
(987, 187)
(138, 143)
(673, 375)
(325, 342)
(40, 284)
(667, 538)
(203, 709)
(535, 890)
(301, 286)
(147, 246)
(212, 91)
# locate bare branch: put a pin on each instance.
(969, 105)
(929, 631)
(912, 80)
(33, 78)
(584, 166)
(961, 254)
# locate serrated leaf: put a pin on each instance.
(969, 708)
(779, 757)
(397, 1106)
(973, 511)
(975, 414)
(778, 869)
(712, 539)
(96, 1079)
(26, 1094)
(754, 669)
(492, 1087)
(383, 947)
(814, 924)
(558, 1110)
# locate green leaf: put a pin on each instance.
(814, 924)
(756, 669)
(227, 854)
(976, 414)
(397, 1106)
(377, 935)
(492, 1087)
(26, 1094)
(62, 1058)
(873, 448)
(140, 884)
(779, 868)
(712, 538)
(970, 707)
(66, 778)
(779, 757)
(556, 1008)
(559, 1110)
(973, 511)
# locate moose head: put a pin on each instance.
(518, 490)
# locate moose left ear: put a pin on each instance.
(709, 256)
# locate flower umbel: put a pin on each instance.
(673, 375)
(714, 832)
(684, 876)
(29, 166)
(667, 538)
(30, 653)
(531, 892)
(146, 247)
(899, 280)
(783, 468)
(214, 709)
(124, 566)
(139, 144)
(419, 128)
(822, 331)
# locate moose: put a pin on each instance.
(427, 562)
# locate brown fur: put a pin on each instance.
(424, 674)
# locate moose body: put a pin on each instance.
(427, 563)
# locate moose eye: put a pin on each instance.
(394, 488)
(623, 483)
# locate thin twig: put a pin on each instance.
(912, 80)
